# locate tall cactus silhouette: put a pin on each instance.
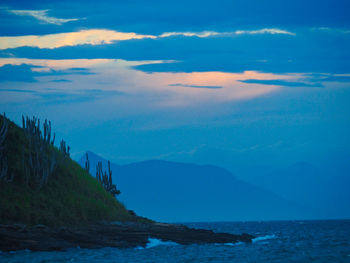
(3, 157)
(106, 179)
(99, 172)
(47, 133)
(64, 149)
(87, 163)
(41, 157)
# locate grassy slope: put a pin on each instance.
(71, 196)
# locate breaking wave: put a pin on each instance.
(264, 238)
(154, 242)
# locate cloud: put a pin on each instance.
(76, 96)
(83, 37)
(27, 72)
(203, 34)
(272, 31)
(279, 82)
(61, 80)
(328, 78)
(194, 86)
(156, 17)
(332, 30)
(42, 16)
(18, 90)
(55, 96)
(308, 51)
(191, 34)
(102, 36)
(336, 78)
(21, 73)
(79, 69)
(74, 66)
(157, 88)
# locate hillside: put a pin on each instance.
(70, 196)
(169, 191)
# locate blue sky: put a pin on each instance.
(238, 84)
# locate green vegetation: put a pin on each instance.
(65, 195)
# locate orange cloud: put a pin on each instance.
(90, 37)
(120, 75)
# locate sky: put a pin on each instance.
(246, 85)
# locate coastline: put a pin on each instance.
(98, 235)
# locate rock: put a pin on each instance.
(121, 235)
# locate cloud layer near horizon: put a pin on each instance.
(102, 36)
(119, 75)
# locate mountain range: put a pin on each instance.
(177, 192)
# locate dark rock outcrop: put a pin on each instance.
(121, 235)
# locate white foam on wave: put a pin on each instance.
(233, 244)
(154, 242)
(264, 238)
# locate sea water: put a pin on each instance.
(276, 241)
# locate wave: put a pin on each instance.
(267, 237)
(264, 238)
(233, 244)
(154, 242)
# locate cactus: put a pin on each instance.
(41, 160)
(99, 172)
(109, 172)
(3, 169)
(25, 168)
(111, 187)
(3, 131)
(87, 163)
(64, 149)
(47, 133)
(3, 157)
(106, 180)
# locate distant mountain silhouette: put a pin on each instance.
(326, 191)
(170, 191)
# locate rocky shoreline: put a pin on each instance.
(121, 235)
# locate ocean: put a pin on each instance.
(276, 241)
